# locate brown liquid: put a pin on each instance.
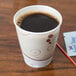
(37, 22)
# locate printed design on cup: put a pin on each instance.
(35, 59)
(50, 47)
(49, 38)
(44, 51)
(34, 52)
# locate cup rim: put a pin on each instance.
(24, 31)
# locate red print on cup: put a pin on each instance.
(49, 38)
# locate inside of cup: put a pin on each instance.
(38, 8)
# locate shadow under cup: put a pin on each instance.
(36, 48)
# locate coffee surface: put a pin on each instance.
(38, 22)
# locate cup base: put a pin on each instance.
(37, 64)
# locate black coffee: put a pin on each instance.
(37, 22)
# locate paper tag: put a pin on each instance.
(70, 42)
